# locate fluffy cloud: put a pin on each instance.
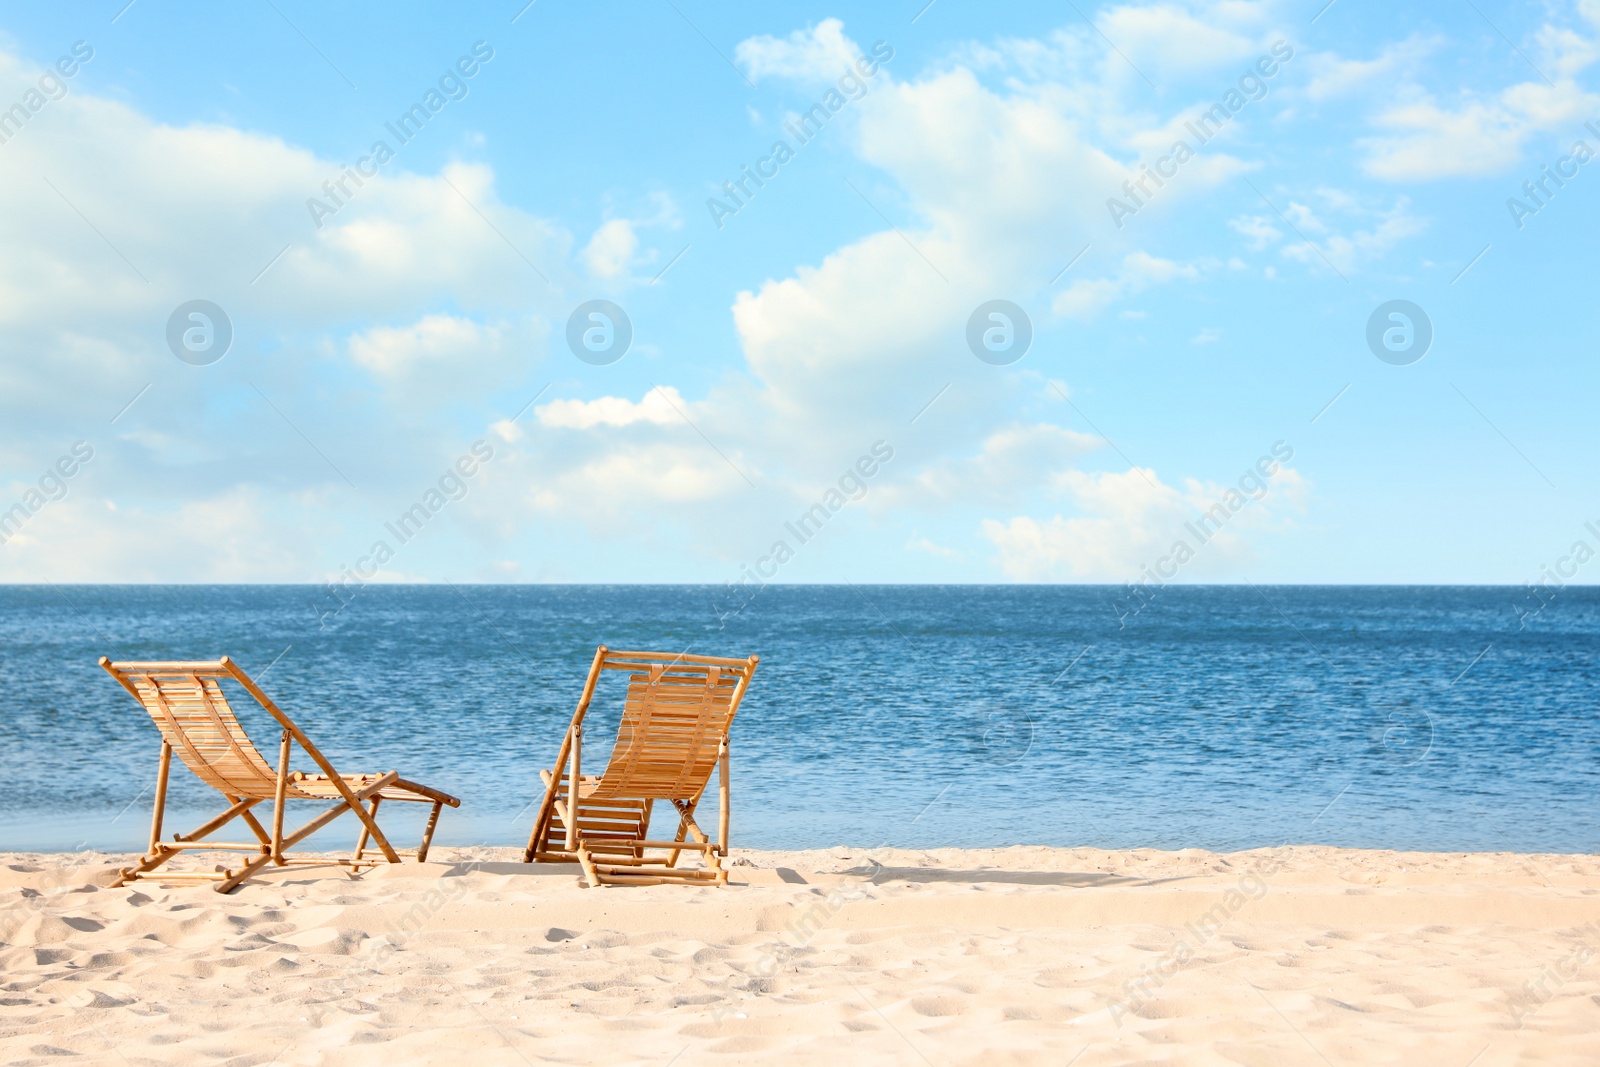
(1177, 42)
(923, 544)
(997, 186)
(414, 317)
(1140, 270)
(341, 355)
(1485, 132)
(240, 534)
(1137, 512)
(816, 55)
(619, 480)
(660, 407)
(1431, 141)
(1343, 230)
(1258, 228)
(611, 249)
(1134, 519)
(1009, 462)
(1333, 77)
(444, 356)
(143, 216)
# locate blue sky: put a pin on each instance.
(970, 154)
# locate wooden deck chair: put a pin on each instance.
(188, 705)
(674, 730)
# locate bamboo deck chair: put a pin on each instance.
(188, 705)
(674, 730)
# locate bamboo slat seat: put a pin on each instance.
(188, 705)
(673, 733)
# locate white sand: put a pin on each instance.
(1296, 955)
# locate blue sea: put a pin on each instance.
(1221, 717)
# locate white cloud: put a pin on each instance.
(658, 407)
(1345, 230)
(1430, 141)
(611, 249)
(1140, 270)
(407, 298)
(1137, 510)
(1010, 461)
(434, 340)
(922, 544)
(241, 534)
(1482, 134)
(1178, 43)
(345, 335)
(199, 211)
(619, 481)
(1347, 252)
(1479, 131)
(819, 54)
(1258, 228)
(1333, 77)
(1132, 521)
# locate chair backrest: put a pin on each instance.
(189, 707)
(677, 711)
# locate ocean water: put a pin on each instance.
(1221, 717)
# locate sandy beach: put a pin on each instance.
(949, 956)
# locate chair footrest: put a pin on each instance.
(660, 876)
(174, 876)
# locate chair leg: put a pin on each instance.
(683, 828)
(541, 821)
(427, 834)
(155, 855)
(644, 827)
(161, 794)
(240, 809)
(155, 858)
(160, 853)
(377, 833)
(574, 788)
(278, 798)
(228, 884)
(724, 798)
(361, 842)
(257, 829)
(589, 871)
